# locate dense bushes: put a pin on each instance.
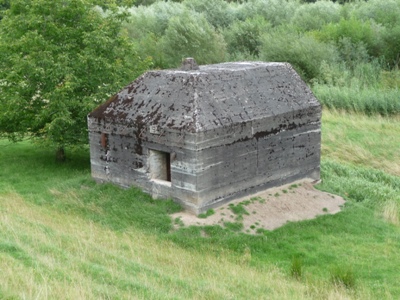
(191, 35)
(314, 15)
(303, 51)
(244, 37)
(330, 44)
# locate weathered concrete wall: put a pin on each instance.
(226, 163)
(278, 153)
(127, 162)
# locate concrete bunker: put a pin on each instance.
(205, 135)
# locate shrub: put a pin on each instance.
(352, 53)
(358, 74)
(276, 12)
(218, 13)
(303, 51)
(355, 31)
(152, 19)
(149, 46)
(245, 36)
(391, 49)
(190, 35)
(386, 12)
(314, 15)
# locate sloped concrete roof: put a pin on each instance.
(210, 97)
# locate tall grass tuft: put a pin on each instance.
(296, 268)
(343, 276)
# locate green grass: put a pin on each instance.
(63, 234)
(362, 140)
(205, 215)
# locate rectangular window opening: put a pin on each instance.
(104, 140)
(160, 165)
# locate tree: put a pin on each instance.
(58, 60)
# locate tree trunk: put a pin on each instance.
(60, 154)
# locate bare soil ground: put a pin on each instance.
(270, 209)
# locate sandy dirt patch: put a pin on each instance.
(269, 209)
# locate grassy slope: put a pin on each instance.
(61, 234)
(47, 254)
(362, 140)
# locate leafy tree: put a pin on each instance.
(58, 60)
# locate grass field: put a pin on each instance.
(62, 236)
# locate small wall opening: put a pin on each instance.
(104, 140)
(160, 165)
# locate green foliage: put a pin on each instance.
(58, 60)
(304, 52)
(386, 12)
(314, 15)
(147, 25)
(152, 19)
(4, 5)
(245, 36)
(190, 35)
(218, 13)
(327, 43)
(391, 50)
(276, 12)
(353, 30)
(145, 2)
(390, 80)
(352, 54)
